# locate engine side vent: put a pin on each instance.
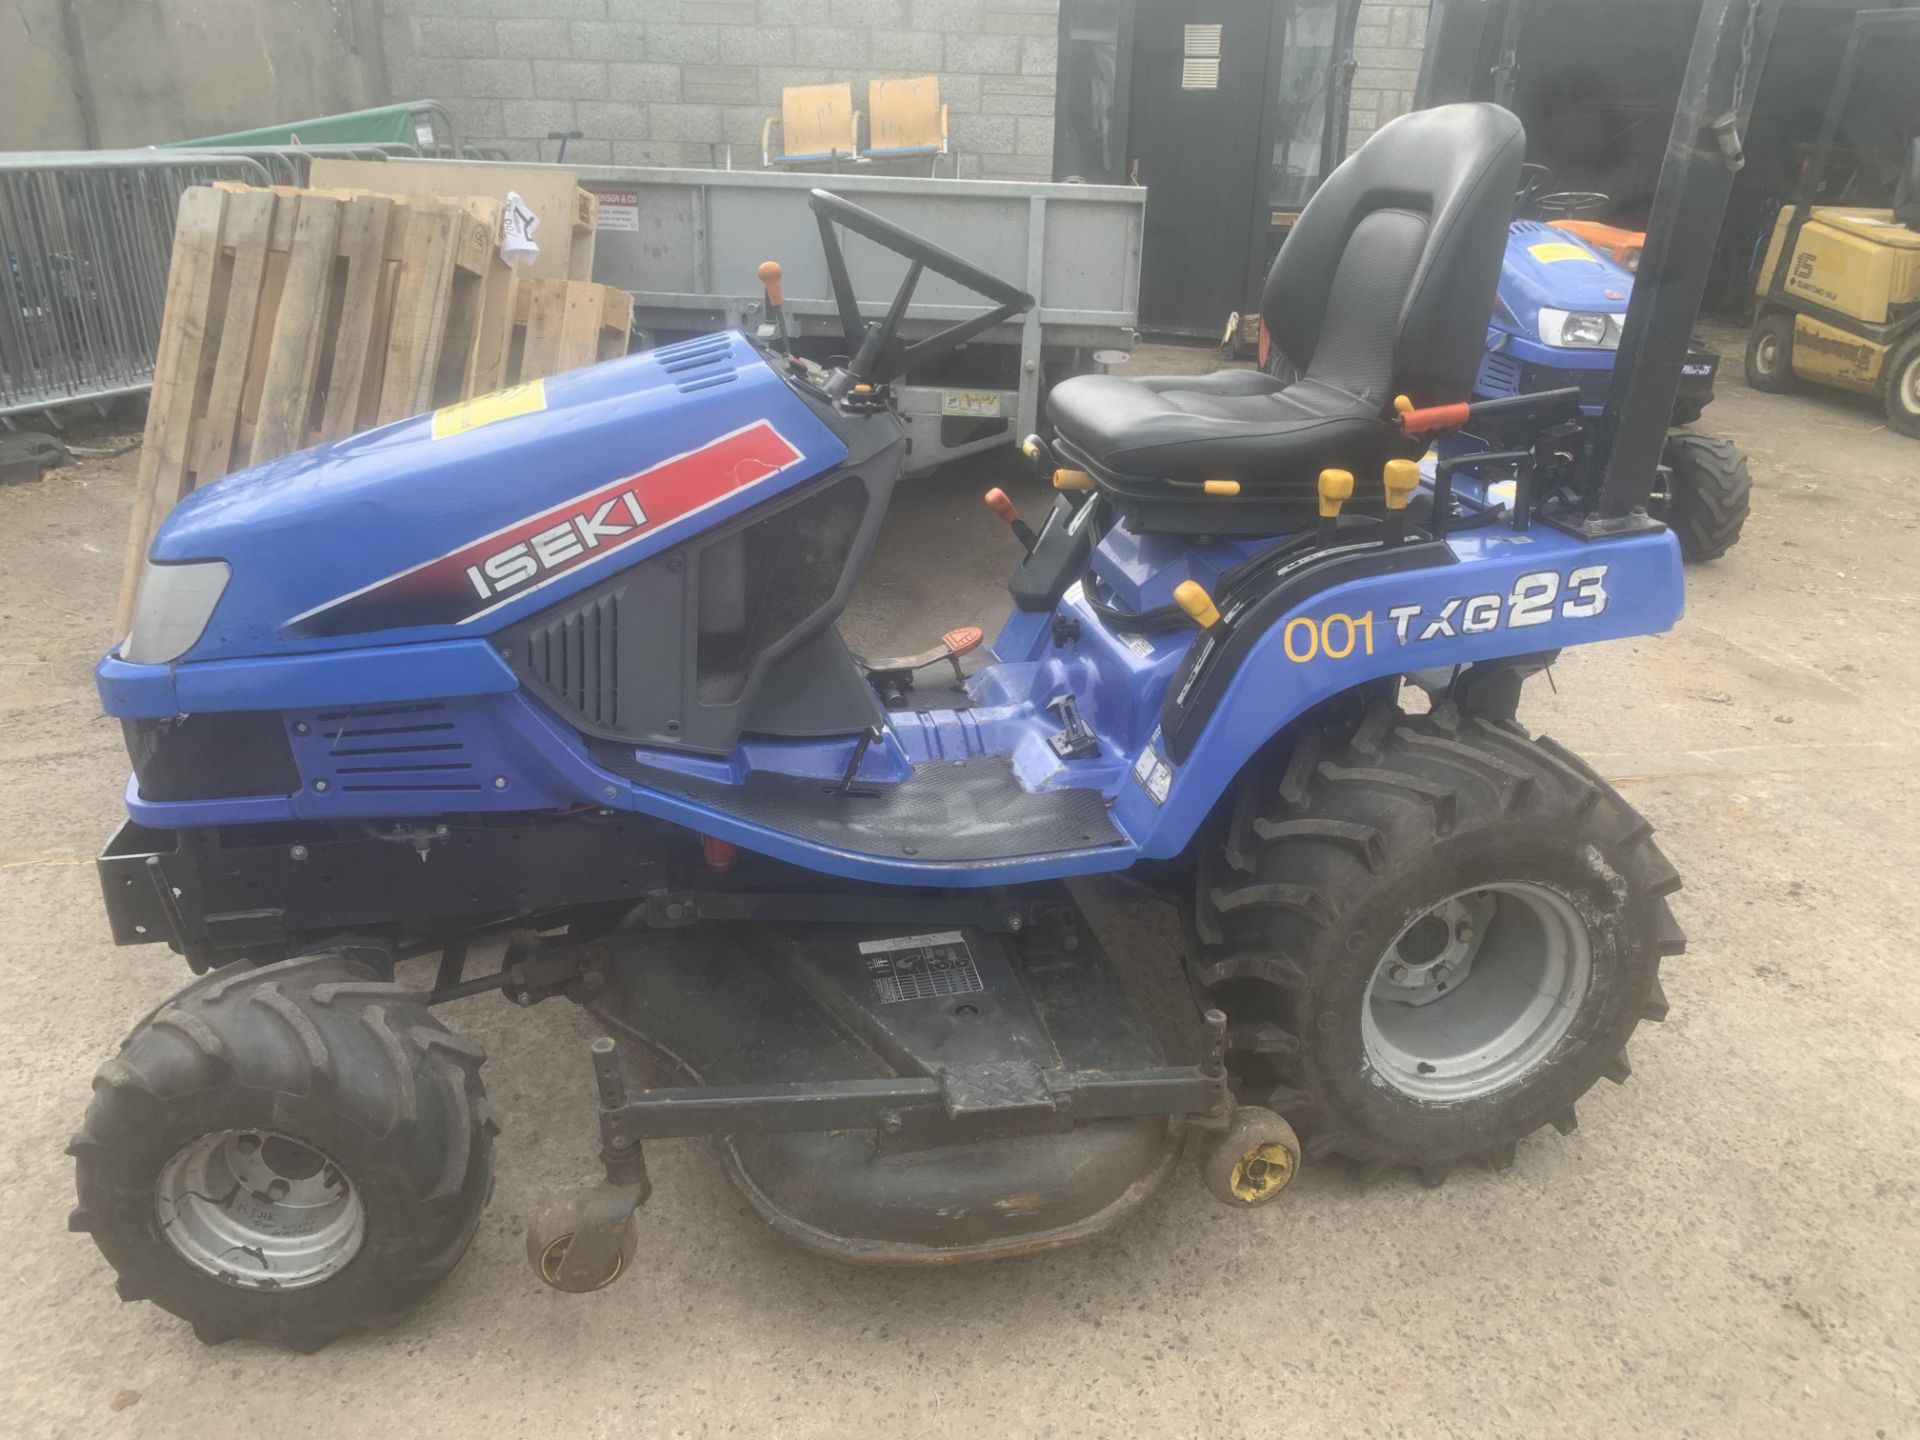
(1499, 375)
(576, 653)
(702, 365)
(385, 749)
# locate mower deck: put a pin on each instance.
(896, 1098)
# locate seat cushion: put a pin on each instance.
(1231, 425)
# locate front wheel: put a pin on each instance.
(1770, 354)
(1709, 493)
(1903, 387)
(1431, 935)
(288, 1154)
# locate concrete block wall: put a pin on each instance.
(1389, 37)
(670, 82)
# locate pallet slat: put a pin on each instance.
(249, 230)
(293, 359)
(196, 255)
(363, 249)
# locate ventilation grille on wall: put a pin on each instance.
(576, 655)
(1200, 68)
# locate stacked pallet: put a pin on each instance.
(562, 325)
(295, 317)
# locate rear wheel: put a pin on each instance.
(1708, 497)
(1902, 382)
(1770, 354)
(1431, 935)
(288, 1153)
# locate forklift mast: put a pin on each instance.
(1470, 48)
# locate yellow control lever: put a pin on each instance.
(1400, 479)
(1336, 488)
(1222, 487)
(1191, 596)
(1072, 480)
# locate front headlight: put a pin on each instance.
(175, 603)
(1580, 329)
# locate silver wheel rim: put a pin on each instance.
(259, 1210)
(1474, 993)
(1766, 354)
(1909, 390)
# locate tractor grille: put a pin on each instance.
(211, 757)
(576, 654)
(385, 749)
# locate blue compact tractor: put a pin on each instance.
(1558, 316)
(542, 694)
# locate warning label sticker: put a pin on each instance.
(1153, 775)
(921, 967)
(619, 210)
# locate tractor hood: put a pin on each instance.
(454, 524)
(1545, 268)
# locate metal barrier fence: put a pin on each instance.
(85, 241)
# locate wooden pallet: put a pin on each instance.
(568, 214)
(562, 325)
(294, 317)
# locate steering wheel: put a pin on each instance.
(1572, 204)
(877, 358)
(1534, 180)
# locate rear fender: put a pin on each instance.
(1511, 595)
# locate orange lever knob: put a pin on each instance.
(769, 273)
(998, 502)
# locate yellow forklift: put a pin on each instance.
(1839, 290)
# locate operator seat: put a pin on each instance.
(1382, 288)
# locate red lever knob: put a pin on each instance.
(769, 273)
(998, 502)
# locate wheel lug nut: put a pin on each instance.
(1439, 974)
(1398, 974)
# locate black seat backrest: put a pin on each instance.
(1386, 281)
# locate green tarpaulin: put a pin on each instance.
(386, 125)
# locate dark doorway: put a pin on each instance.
(1229, 111)
(1198, 73)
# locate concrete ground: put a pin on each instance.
(1729, 1244)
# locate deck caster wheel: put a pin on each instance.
(552, 1238)
(1252, 1160)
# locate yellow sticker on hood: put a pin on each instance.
(1551, 250)
(486, 409)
